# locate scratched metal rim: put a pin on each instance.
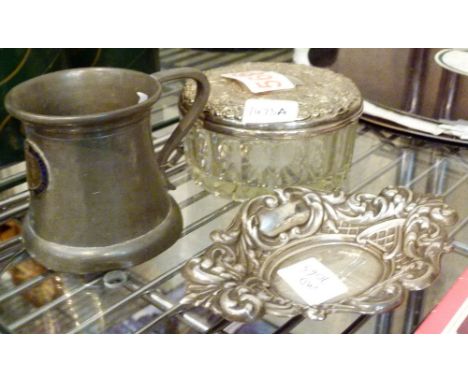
(17, 108)
(403, 234)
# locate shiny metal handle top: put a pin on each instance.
(203, 92)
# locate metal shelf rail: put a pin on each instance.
(147, 298)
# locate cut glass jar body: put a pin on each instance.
(233, 156)
(244, 167)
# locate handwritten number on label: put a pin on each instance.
(260, 81)
(269, 111)
(263, 80)
(268, 84)
(314, 282)
(312, 278)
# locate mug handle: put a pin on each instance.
(203, 92)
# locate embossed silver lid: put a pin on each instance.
(327, 101)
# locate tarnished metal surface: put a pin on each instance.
(98, 199)
(327, 101)
(391, 242)
(156, 286)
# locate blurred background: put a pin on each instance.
(405, 79)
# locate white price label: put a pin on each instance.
(313, 281)
(142, 97)
(269, 111)
(260, 82)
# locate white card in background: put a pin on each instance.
(269, 111)
(260, 82)
(313, 281)
(455, 60)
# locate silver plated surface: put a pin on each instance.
(393, 126)
(380, 246)
(327, 101)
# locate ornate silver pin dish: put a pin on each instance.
(303, 252)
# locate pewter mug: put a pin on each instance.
(98, 198)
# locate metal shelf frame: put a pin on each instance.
(401, 158)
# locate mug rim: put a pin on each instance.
(12, 105)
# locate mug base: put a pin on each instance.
(81, 260)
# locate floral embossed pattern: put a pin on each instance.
(240, 161)
(394, 239)
(323, 95)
